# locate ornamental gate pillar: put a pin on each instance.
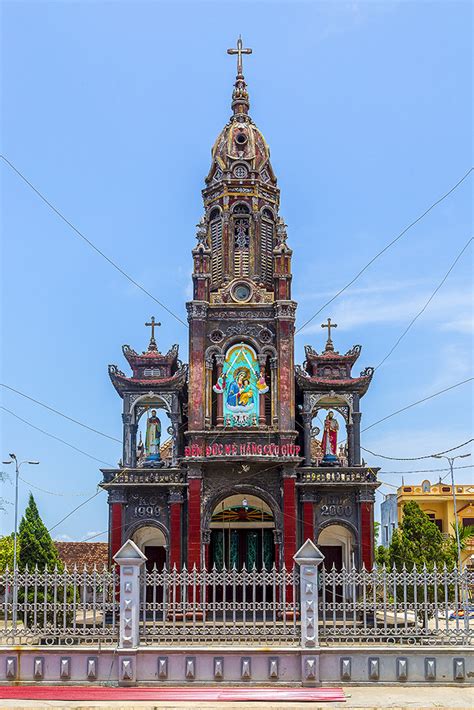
(308, 558)
(130, 560)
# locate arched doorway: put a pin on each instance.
(337, 543)
(242, 533)
(152, 542)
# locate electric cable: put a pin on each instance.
(57, 438)
(53, 493)
(412, 322)
(423, 470)
(76, 508)
(420, 401)
(399, 236)
(61, 414)
(88, 241)
(417, 458)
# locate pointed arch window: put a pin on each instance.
(215, 229)
(241, 229)
(266, 245)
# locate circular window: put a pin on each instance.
(241, 292)
(241, 138)
(240, 171)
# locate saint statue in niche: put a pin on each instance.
(153, 437)
(329, 442)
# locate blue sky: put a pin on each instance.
(111, 110)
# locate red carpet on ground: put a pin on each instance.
(194, 693)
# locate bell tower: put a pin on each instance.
(241, 321)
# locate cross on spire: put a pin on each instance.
(329, 325)
(153, 324)
(239, 51)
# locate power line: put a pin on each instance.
(416, 458)
(53, 493)
(426, 304)
(52, 436)
(88, 241)
(420, 401)
(61, 414)
(399, 236)
(76, 508)
(424, 470)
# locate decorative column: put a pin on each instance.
(175, 501)
(356, 415)
(220, 398)
(366, 526)
(129, 434)
(273, 388)
(130, 560)
(208, 402)
(285, 327)
(350, 443)
(262, 361)
(309, 558)
(194, 516)
(197, 313)
(307, 420)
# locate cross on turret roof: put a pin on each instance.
(239, 51)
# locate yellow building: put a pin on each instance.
(436, 500)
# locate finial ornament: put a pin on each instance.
(239, 51)
(153, 324)
(329, 325)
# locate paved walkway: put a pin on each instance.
(412, 697)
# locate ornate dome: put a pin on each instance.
(241, 140)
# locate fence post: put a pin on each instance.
(130, 560)
(309, 558)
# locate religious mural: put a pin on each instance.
(240, 385)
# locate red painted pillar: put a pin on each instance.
(289, 519)
(308, 521)
(115, 529)
(176, 502)
(367, 533)
(194, 522)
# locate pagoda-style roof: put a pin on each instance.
(151, 369)
(331, 371)
(330, 360)
(123, 384)
(330, 384)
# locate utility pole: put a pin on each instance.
(451, 460)
(14, 459)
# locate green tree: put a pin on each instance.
(6, 552)
(36, 544)
(418, 541)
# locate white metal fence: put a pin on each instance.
(216, 606)
(239, 606)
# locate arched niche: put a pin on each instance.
(338, 543)
(152, 539)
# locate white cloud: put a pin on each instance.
(63, 538)
(96, 534)
(398, 304)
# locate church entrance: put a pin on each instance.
(242, 534)
(242, 537)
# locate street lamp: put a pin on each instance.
(13, 459)
(451, 460)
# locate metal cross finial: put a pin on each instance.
(239, 51)
(329, 325)
(153, 324)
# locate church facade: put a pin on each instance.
(222, 464)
